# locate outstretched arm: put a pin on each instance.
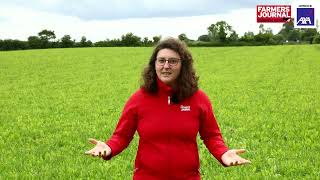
(212, 138)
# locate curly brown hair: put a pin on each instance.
(187, 81)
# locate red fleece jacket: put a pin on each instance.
(168, 131)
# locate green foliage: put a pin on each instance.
(130, 39)
(46, 35)
(147, 42)
(219, 34)
(183, 37)
(34, 42)
(204, 38)
(84, 42)
(219, 31)
(156, 39)
(45, 38)
(13, 44)
(247, 37)
(316, 39)
(66, 42)
(308, 34)
(266, 100)
(294, 35)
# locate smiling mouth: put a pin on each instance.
(166, 73)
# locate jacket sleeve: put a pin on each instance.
(209, 130)
(125, 129)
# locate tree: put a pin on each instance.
(219, 31)
(261, 29)
(247, 37)
(146, 41)
(233, 37)
(34, 42)
(278, 39)
(316, 39)
(46, 36)
(84, 43)
(213, 32)
(156, 39)
(294, 35)
(130, 39)
(264, 36)
(286, 28)
(13, 44)
(66, 41)
(204, 38)
(308, 34)
(183, 37)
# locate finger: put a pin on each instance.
(100, 153)
(246, 162)
(104, 153)
(235, 163)
(242, 161)
(87, 152)
(93, 141)
(95, 154)
(240, 151)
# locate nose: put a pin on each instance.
(166, 64)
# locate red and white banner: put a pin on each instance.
(273, 13)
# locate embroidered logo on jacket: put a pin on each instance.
(185, 108)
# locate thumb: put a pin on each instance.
(240, 151)
(93, 141)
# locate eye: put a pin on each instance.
(161, 60)
(173, 60)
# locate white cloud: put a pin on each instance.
(21, 22)
(115, 9)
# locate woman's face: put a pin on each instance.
(168, 66)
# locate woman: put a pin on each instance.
(168, 111)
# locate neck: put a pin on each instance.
(173, 85)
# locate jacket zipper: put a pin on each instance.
(168, 173)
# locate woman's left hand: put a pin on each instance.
(231, 157)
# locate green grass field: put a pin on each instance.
(266, 100)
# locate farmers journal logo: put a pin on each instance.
(273, 13)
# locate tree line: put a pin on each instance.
(219, 34)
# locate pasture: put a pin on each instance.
(266, 99)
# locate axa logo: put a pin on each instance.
(305, 17)
(185, 108)
(304, 21)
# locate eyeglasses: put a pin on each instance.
(161, 61)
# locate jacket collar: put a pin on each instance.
(164, 88)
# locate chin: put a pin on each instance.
(166, 81)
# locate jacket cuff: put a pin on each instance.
(111, 154)
(220, 157)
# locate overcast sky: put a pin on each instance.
(102, 19)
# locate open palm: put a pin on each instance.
(101, 149)
(231, 157)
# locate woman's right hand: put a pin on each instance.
(101, 149)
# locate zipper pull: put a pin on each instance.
(168, 100)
